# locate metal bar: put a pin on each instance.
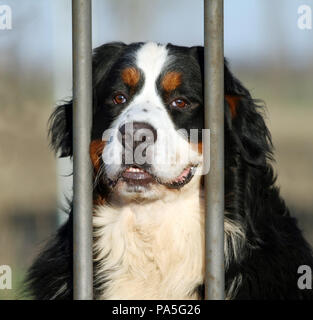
(214, 120)
(82, 179)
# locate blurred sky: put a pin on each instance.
(254, 29)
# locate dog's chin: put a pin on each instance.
(134, 183)
(125, 191)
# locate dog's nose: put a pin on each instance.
(133, 134)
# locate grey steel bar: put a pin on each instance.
(214, 120)
(82, 178)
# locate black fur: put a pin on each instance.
(265, 266)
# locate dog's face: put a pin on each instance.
(148, 122)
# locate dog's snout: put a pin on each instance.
(133, 134)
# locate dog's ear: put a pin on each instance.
(103, 59)
(61, 130)
(245, 121)
(61, 120)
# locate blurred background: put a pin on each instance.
(266, 50)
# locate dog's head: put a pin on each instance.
(148, 120)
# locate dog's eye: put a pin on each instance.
(119, 99)
(179, 103)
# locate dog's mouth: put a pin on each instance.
(138, 176)
(184, 178)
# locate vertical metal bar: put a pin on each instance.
(82, 120)
(214, 120)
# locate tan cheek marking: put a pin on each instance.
(200, 147)
(233, 102)
(131, 76)
(99, 201)
(95, 150)
(171, 81)
(197, 147)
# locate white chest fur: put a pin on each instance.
(151, 251)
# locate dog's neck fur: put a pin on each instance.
(156, 249)
(150, 251)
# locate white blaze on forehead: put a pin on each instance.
(151, 59)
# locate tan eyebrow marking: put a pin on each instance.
(131, 76)
(171, 81)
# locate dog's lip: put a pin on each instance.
(140, 176)
(184, 178)
(134, 174)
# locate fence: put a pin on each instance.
(82, 121)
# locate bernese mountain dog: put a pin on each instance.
(148, 212)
